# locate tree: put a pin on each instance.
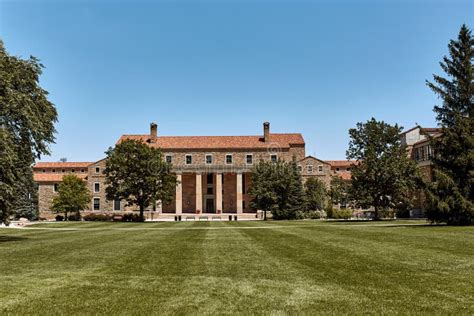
(73, 196)
(316, 194)
(8, 176)
(262, 189)
(384, 175)
(338, 193)
(451, 195)
(138, 174)
(27, 120)
(277, 187)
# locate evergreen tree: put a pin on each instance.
(138, 173)
(73, 196)
(277, 187)
(451, 195)
(316, 194)
(338, 193)
(384, 175)
(27, 120)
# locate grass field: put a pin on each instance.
(237, 267)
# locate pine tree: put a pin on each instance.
(316, 194)
(451, 195)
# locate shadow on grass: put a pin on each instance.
(11, 238)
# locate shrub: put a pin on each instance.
(338, 214)
(98, 217)
(74, 217)
(131, 217)
(59, 218)
(310, 214)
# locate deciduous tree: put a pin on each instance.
(137, 173)
(73, 196)
(384, 175)
(27, 120)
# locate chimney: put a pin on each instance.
(153, 132)
(266, 132)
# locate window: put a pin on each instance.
(82, 171)
(44, 170)
(63, 171)
(228, 159)
(243, 205)
(169, 159)
(320, 168)
(116, 205)
(54, 170)
(189, 159)
(97, 170)
(337, 169)
(249, 159)
(96, 187)
(300, 168)
(73, 170)
(243, 183)
(56, 187)
(96, 206)
(273, 158)
(210, 178)
(210, 190)
(208, 159)
(309, 168)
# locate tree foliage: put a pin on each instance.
(73, 196)
(339, 191)
(137, 173)
(384, 176)
(27, 120)
(316, 194)
(277, 187)
(451, 195)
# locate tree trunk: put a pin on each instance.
(65, 216)
(141, 212)
(265, 215)
(376, 214)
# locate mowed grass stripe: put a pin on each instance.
(373, 273)
(296, 267)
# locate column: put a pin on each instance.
(239, 193)
(199, 192)
(219, 191)
(179, 194)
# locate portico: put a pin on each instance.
(210, 193)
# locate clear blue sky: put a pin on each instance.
(204, 68)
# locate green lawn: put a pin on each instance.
(237, 267)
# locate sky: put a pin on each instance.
(223, 68)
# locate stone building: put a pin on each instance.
(213, 172)
(417, 140)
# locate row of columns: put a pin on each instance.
(218, 190)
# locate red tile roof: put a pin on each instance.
(220, 142)
(54, 177)
(62, 165)
(341, 163)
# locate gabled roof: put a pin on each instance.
(314, 158)
(62, 165)
(55, 177)
(220, 142)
